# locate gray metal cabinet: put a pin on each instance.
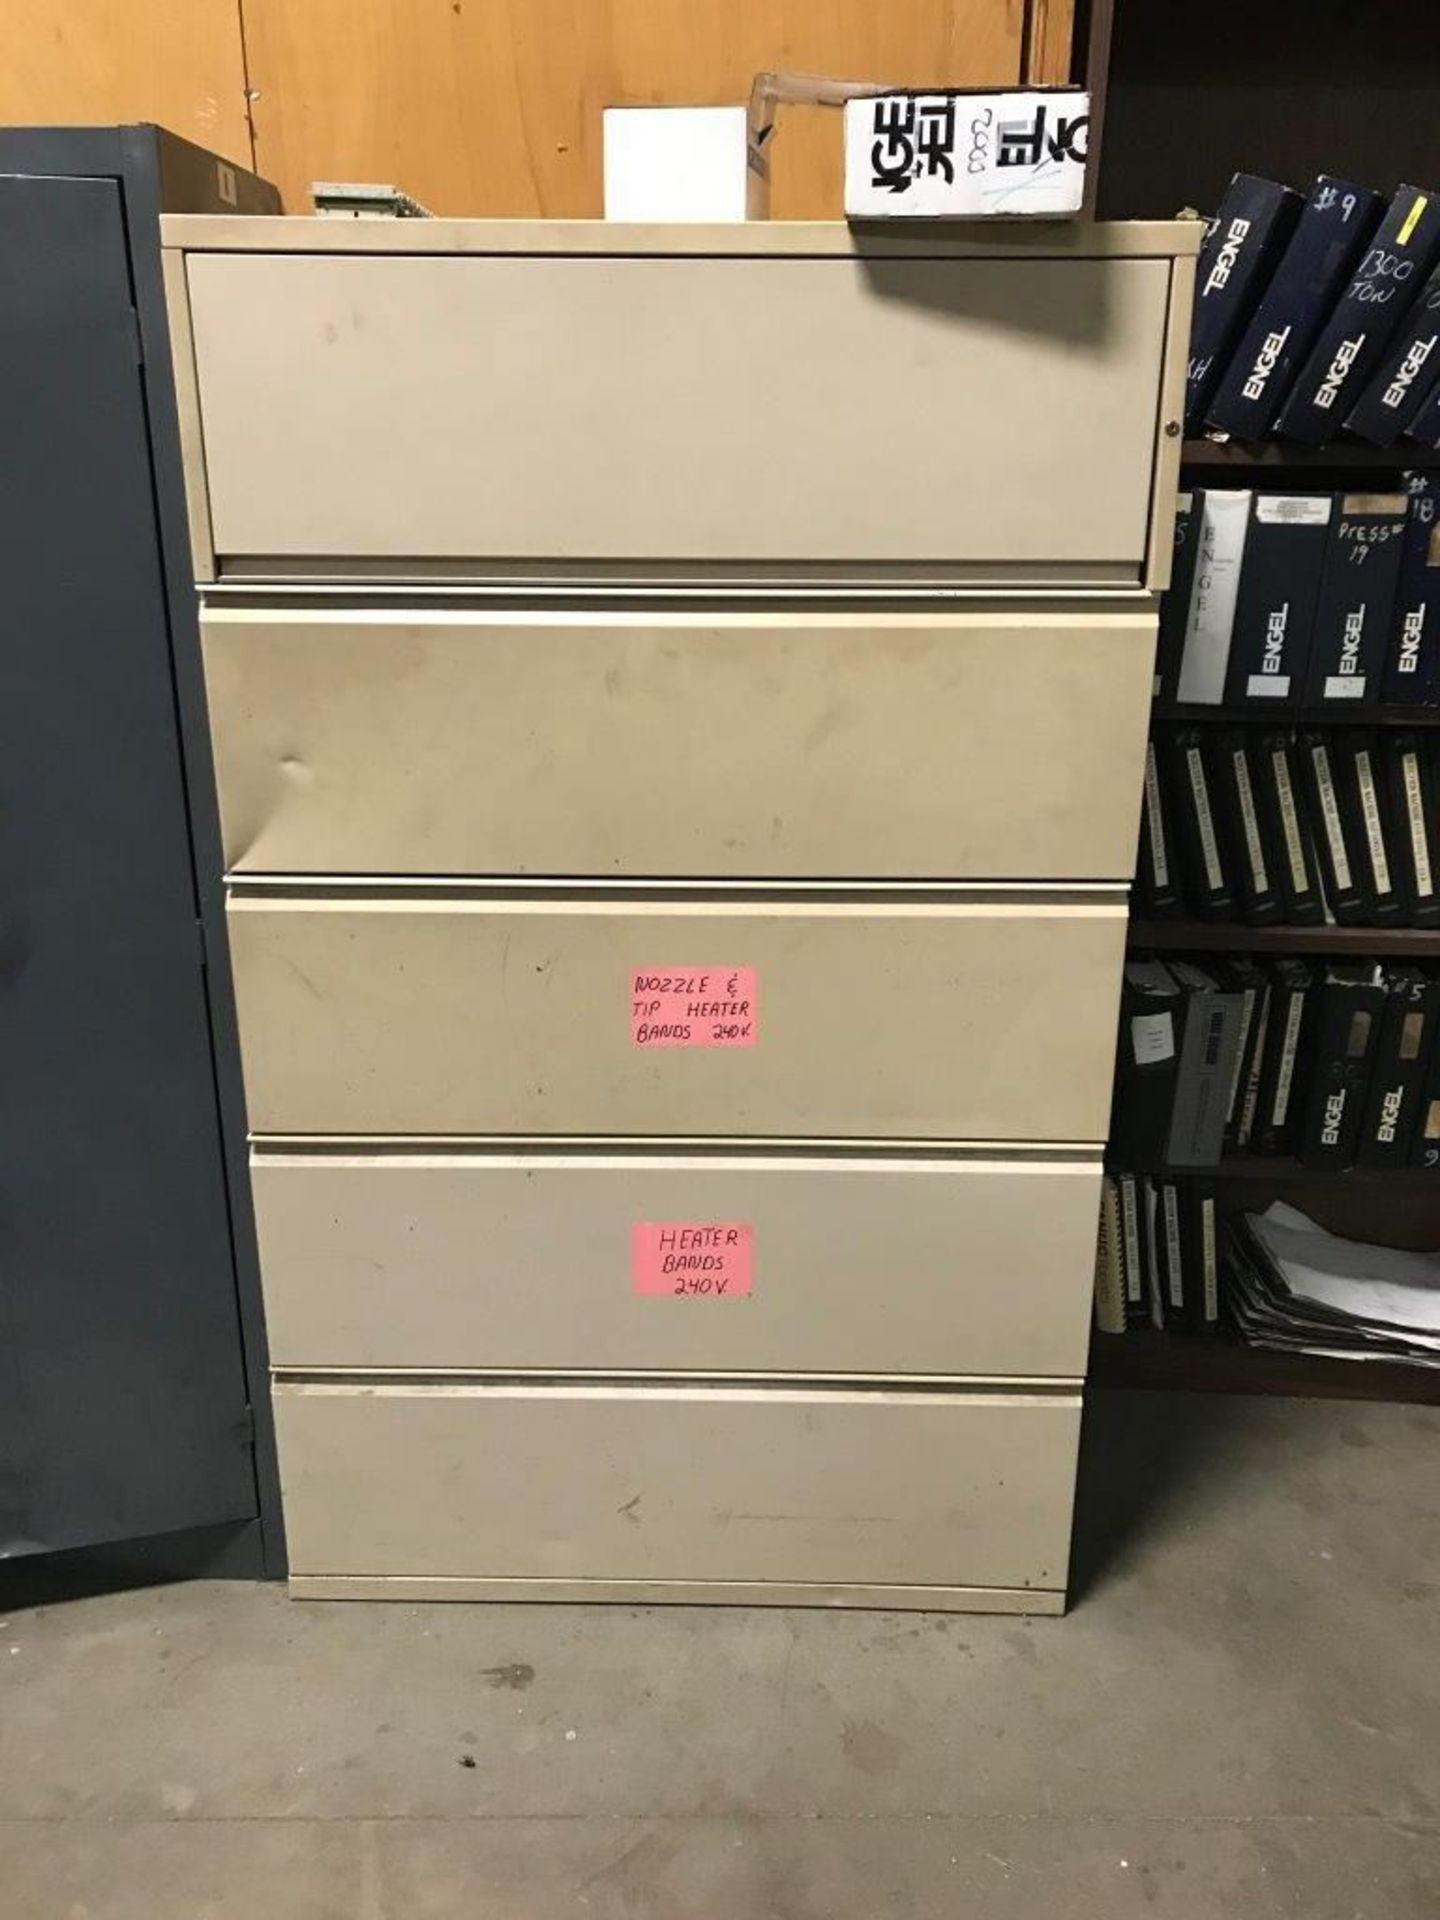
(125, 1411)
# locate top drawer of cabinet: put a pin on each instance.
(556, 412)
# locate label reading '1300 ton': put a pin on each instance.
(693, 1007)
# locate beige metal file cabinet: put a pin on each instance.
(678, 700)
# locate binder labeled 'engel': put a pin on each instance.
(1405, 373)
(1338, 218)
(1275, 603)
(1240, 250)
(1368, 312)
(1411, 676)
(1397, 1082)
(1350, 1002)
(1356, 600)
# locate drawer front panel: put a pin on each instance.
(532, 1261)
(612, 1483)
(984, 745)
(456, 1013)
(826, 411)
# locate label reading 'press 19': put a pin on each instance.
(692, 1259)
(693, 1007)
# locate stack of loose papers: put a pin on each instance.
(1294, 1286)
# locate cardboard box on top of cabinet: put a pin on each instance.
(1007, 154)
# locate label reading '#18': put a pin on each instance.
(693, 1007)
(692, 1259)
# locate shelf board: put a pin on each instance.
(1344, 456)
(1220, 1364)
(1274, 1170)
(1174, 714)
(1233, 936)
(1282, 1170)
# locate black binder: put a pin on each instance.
(1252, 1063)
(1188, 1240)
(1241, 976)
(1285, 548)
(1147, 1062)
(1203, 860)
(1415, 828)
(1337, 219)
(1411, 676)
(1424, 429)
(1425, 1141)
(1405, 374)
(1397, 1084)
(1157, 875)
(1285, 826)
(1241, 248)
(1356, 602)
(1338, 855)
(1362, 800)
(1153, 1227)
(1175, 601)
(1257, 880)
(1349, 1005)
(1209, 1044)
(1368, 312)
(1200, 1310)
(1282, 1085)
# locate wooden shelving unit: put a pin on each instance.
(1400, 1206)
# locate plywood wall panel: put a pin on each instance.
(493, 106)
(93, 62)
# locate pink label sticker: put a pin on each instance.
(694, 1007)
(692, 1259)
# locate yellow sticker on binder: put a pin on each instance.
(1416, 209)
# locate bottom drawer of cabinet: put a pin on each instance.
(555, 1483)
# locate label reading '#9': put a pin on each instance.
(693, 1007)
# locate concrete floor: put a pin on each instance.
(1239, 1718)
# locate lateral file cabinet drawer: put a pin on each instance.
(551, 1482)
(634, 1262)
(643, 744)
(790, 410)
(458, 1012)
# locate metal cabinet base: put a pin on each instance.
(692, 1593)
